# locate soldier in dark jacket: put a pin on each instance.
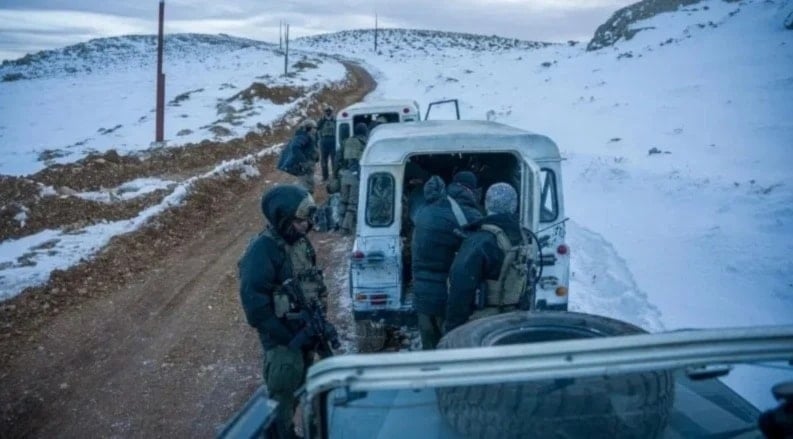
(326, 128)
(480, 257)
(282, 256)
(436, 238)
(300, 156)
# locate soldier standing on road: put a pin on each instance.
(349, 169)
(491, 262)
(326, 127)
(279, 256)
(436, 238)
(300, 156)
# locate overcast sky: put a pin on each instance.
(32, 25)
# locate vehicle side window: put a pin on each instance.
(344, 132)
(549, 207)
(380, 200)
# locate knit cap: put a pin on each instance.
(501, 198)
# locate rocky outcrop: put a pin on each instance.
(618, 26)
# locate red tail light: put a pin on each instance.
(406, 110)
(358, 254)
(344, 114)
(562, 249)
(378, 299)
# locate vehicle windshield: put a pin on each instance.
(664, 404)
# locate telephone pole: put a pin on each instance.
(286, 52)
(160, 118)
(375, 32)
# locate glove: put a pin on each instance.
(305, 338)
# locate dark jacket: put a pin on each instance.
(299, 155)
(265, 266)
(435, 242)
(478, 259)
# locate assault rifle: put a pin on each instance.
(314, 320)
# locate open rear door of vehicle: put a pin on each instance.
(446, 104)
(530, 204)
(254, 420)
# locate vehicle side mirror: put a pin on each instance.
(255, 420)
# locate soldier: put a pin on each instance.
(279, 257)
(349, 168)
(489, 274)
(300, 156)
(436, 238)
(326, 127)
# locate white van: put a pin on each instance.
(380, 277)
(390, 110)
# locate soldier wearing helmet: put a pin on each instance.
(326, 127)
(279, 256)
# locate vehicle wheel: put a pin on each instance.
(371, 336)
(625, 406)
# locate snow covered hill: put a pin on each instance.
(128, 52)
(58, 106)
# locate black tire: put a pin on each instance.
(633, 405)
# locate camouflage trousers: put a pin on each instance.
(349, 203)
(284, 372)
(431, 330)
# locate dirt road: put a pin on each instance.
(164, 350)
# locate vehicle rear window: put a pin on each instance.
(549, 206)
(380, 200)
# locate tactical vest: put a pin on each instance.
(353, 148)
(328, 128)
(352, 151)
(507, 290)
(302, 260)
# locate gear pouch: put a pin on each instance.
(281, 305)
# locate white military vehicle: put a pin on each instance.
(399, 157)
(373, 113)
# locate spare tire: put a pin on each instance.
(634, 405)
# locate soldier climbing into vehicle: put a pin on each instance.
(326, 127)
(490, 273)
(279, 280)
(299, 157)
(436, 238)
(349, 175)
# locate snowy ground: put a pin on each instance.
(107, 102)
(697, 235)
(69, 106)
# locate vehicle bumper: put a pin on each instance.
(389, 317)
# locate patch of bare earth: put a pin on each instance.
(148, 338)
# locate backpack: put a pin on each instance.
(512, 282)
(327, 215)
(287, 161)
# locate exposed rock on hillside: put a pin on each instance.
(619, 25)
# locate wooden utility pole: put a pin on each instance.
(375, 32)
(159, 134)
(286, 52)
